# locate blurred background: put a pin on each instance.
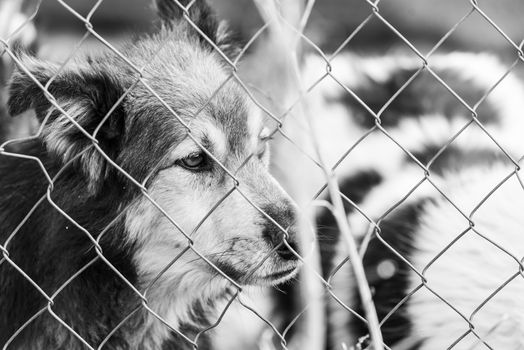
(423, 22)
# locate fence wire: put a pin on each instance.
(292, 131)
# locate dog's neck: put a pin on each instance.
(186, 301)
(117, 317)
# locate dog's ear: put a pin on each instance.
(86, 95)
(171, 12)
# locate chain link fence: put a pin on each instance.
(347, 154)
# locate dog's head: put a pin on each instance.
(186, 130)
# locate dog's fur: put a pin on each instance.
(53, 251)
(378, 174)
(25, 39)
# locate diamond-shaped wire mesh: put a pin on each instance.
(404, 168)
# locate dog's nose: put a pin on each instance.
(283, 250)
(285, 216)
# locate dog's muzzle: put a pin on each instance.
(284, 242)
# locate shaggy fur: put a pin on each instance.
(138, 237)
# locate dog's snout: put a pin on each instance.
(285, 216)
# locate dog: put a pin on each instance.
(159, 186)
(443, 272)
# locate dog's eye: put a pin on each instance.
(195, 161)
(262, 149)
(263, 146)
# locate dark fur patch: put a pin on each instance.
(455, 158)
(4, 121)
(398, 230)
(355, 187)
(203, 16)
(97, 90)
(229, 270)
(50, 249)
(424, 95)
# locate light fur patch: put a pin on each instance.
(472, 268)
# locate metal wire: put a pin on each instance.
(280, 116)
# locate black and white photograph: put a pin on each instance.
(261, 175)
